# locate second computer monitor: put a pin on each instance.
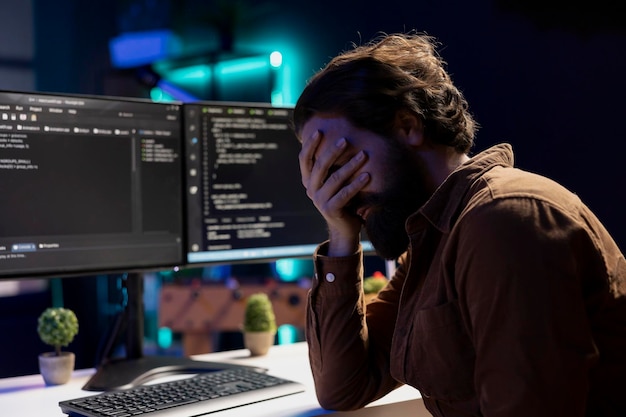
(245, 199)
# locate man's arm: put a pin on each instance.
(349, 359)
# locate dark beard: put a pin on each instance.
(405, 192)
(386, 231)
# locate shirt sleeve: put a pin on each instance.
(348, 369)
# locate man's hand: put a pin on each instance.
(329, 176)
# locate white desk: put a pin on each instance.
(28, 395)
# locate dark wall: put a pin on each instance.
(18, 323)
(71, 44)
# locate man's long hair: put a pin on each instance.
(370, 83)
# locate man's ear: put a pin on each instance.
(409, 128)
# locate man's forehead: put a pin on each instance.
(331, 126)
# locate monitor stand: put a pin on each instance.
(135, 368)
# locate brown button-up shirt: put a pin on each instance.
(511, 301)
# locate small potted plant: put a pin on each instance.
(259, 325)
(372, 285)
(57, 327)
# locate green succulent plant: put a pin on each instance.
(259, 314)
(373, 284)
(57, 327)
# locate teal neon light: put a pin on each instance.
(242, 66)
(287, 334)
(276, 59)
(190, 74)
(294, 269)
(158, 95)
(165, 337)
(196, 78)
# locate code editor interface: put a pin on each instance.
(88, 183)
(244, 192)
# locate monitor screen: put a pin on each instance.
(88, 184)
(245, 198)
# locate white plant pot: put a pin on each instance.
(258, 343)
(56, 370)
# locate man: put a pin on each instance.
(509, 297)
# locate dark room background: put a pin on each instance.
(548, 76)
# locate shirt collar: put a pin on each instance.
(444, 205)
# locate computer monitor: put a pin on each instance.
(93, 185)
(244, 193)
(88, 184)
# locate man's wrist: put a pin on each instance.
(342, 246)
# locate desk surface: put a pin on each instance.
(28, 395)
